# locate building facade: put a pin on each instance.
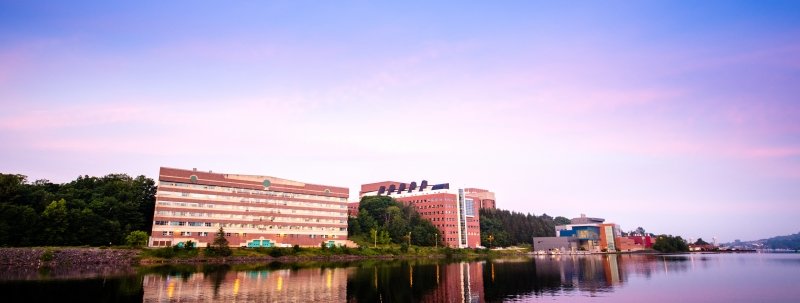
(555, 244)
(254, 211)
(592, 234)
(483, 198)
(453, 211)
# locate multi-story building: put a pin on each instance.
(483, 198)
(453, 211)
(352, 209)
(254, 211)
(592, 234)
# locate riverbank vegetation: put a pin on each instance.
(670, 244)
(296, 253)
(92, 211)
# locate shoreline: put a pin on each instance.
(89, 257)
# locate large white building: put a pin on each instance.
(254, 211)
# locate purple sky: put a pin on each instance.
(680, 117)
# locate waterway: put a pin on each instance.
(749, 277)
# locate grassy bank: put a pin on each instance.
(35, 257)
(390, 251)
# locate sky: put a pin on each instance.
(682, 117)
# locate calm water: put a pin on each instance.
(628, 278)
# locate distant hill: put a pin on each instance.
(779, 242)
(783, 242)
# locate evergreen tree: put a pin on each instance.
(219, 247)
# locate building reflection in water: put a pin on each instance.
(410, 281)
(416, 281)
(265, 285)
(553, 276)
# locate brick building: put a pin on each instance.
(255, 211)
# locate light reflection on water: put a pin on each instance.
(278, 285)
(590, 278)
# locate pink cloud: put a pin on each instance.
(771, 152)
(71, 117)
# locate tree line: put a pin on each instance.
(500, 228)
(86, 211)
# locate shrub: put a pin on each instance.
(404, 247)
(165, 252)
(136, 238)
(448, 252)
(296, 249)
(276, 252)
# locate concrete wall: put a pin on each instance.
(555, 243)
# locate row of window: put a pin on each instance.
(205, 234)
(247, 217)
(252, 191)
(437, 205)
(187, 233)
(183, 223)
(253, 226)
(248, 208)
(166, 193)
(441, 212)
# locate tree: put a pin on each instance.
(353, 226)
(384, 238)
(639, 230)
(136, 238)
(220, 245)
(670, 244)
(561, 220)
(513, 228)
(55, 220)
(700, 242)
(385, 214)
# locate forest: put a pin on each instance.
(501, 228)
(92, 211)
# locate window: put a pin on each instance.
(470, 207)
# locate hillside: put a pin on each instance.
(779, 242)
